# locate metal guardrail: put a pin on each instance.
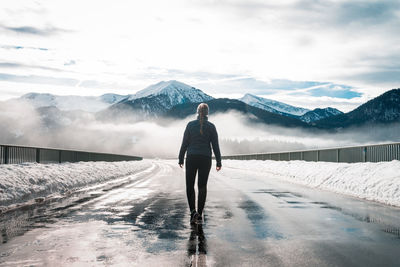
(12, 154)
(368, 153)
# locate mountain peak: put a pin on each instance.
(33, 95)
(173, 89)
(319, 114)
(250, 97)
(157, 98)
(272, 105)
(163, 87)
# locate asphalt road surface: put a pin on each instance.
(250, 220)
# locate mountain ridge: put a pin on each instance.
(384, 108)
(71, 102)
(273, 105)
(319, 114)
(155, 100)
(166, 97)
(222, 105)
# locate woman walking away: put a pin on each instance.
(199, 135)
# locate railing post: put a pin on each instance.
(38, 155)
(6, 160)
(337, 155)
(365, 154)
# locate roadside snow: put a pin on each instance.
(23, 182)
(373, 181)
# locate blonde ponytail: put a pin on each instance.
(202, 110)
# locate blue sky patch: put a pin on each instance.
(344, 92)
(275, 84)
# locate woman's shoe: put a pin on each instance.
(193, 217)
(199, 219)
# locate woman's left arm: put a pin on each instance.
(184, 146)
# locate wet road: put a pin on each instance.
(250, 220)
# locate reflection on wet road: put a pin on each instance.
(250, 220)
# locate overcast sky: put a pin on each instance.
(307, 53)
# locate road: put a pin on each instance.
(250, 220)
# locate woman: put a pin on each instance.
(199, 135)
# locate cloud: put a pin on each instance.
(305, 100)
(70, 63)
(65, 82)
(10, 65)
(240, 84)
(276, 86)
(239, 46)
(18, 47)
(14, 65)
(50, 127)
(378, 68)
(110, 86)
(305, 40)
(236, 86)
(378, 77)
(179, 74)
(362, 13)
(30, 30)
(36, 79)
(316, 13)
(340, 33)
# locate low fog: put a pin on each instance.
(22, 124)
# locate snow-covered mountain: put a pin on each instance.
(272, 105)
(176, 93)
(173, 99)
(72, 102)
(158, 98)
(383, 109)
(111, 98)
(223, 105)
(319, 114)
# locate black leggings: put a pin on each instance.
(202, 165)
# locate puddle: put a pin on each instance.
(277, 194)
(259, 220)
(294, 202)
(368, 218)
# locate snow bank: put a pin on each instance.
(373, 181)
(22, 182)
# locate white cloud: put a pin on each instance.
(343, 42)
(310, 102)
(24, 125)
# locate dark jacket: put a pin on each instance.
(196, 143)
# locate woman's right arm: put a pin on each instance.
(215, 146)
